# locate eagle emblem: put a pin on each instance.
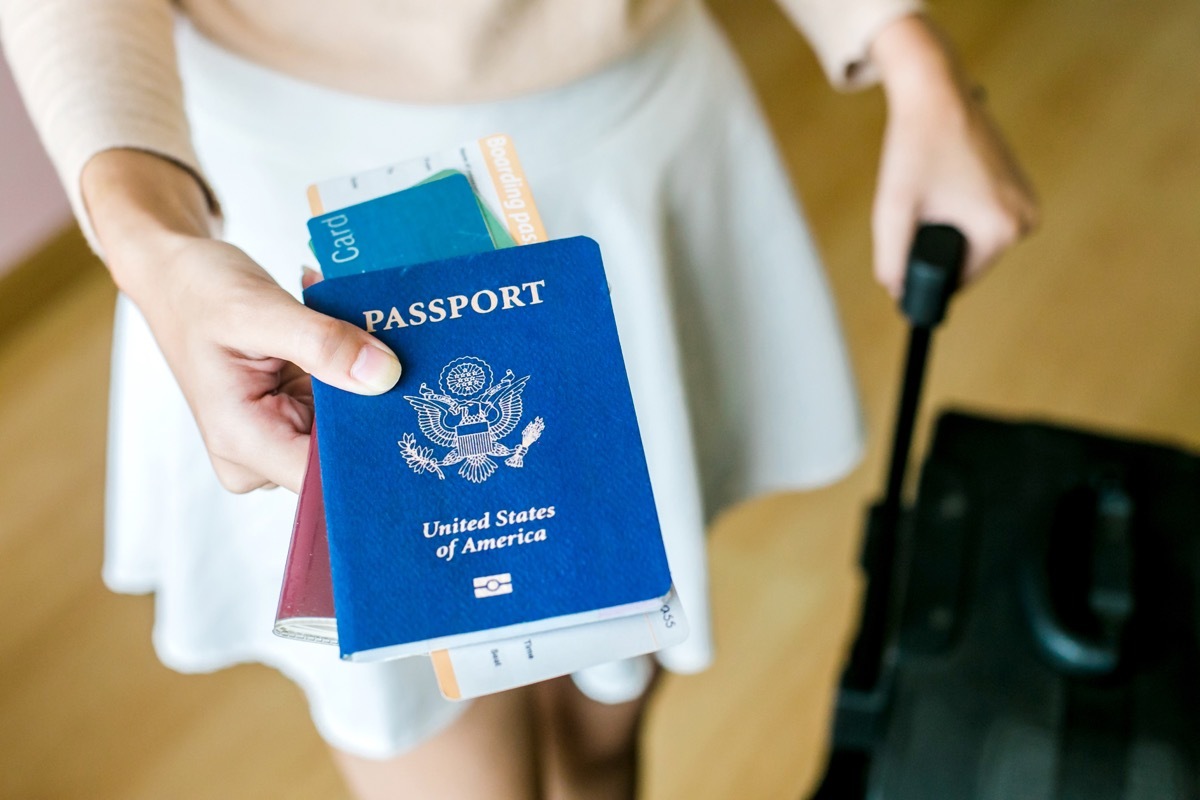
(470, 414)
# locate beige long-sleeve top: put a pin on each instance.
(101, 74)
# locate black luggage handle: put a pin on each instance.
(935, 265)
(934, 270)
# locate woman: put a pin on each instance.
(636, 127)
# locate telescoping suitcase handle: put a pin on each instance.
(934, 270)
(935, 264)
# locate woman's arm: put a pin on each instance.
(840, 33)
(97, 75)
(943, 158)
(241, 347)
(100, 80)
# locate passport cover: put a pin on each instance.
(364, 237)
(502, 481)
(305, 609)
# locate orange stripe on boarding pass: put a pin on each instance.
(447, 680)
(314, 201)
(653, 635)
(516, 200)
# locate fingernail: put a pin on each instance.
(309, 276)
(376, 368)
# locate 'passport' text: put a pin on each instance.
(438, 309)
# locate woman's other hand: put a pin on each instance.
(943, 158)
(241, 347)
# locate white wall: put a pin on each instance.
(32, 204)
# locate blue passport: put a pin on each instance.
(501, 486)
(434, 219)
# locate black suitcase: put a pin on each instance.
(1031, 628)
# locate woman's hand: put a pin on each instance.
(241, 347)
(943, 158)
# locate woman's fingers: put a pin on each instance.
(263, 456)
(943, 161)
(336, 352)
(308, 277)
(893, 222)
(933, 174)
(232, 337)
(257, 416)
(241, 347)
(275, 325)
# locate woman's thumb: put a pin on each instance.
(332, 351)
(375, 368)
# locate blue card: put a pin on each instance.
(432, 220)
(502, 481)
(501, 238)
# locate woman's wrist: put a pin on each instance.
(143, 208)
(917, 65)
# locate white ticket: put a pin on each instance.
(476, 670)
(490, 164)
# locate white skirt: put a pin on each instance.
(731, 341)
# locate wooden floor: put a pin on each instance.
(1096, 321)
